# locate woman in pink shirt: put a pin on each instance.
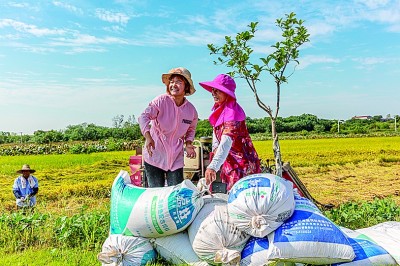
(234, 153)
(168, 124)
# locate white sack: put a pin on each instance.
(367, 252)
(119, 250)
(214, 237)
(255, 252)
(309, 237)
(152, 212)
(387, 235)
(177, 249)
(260, 203)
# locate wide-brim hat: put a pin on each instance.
(222, 82)
(26, 167)
(182, 72)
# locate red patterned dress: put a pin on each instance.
(242, 159)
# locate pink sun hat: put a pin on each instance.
(223, 83)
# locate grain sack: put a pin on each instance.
(119, 250)
(214, 237)
(367, 252)
(152, 212)
(255, 252)
(260, 203)
(386, 235)
(309, 237)
(177, 250)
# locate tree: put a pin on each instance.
(235, 53)
(130, 121)
(118, 121)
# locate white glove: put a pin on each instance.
(22, 198)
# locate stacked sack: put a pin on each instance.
(306, 237)
(214, 236)
(186, 227)
(261, 221)
(386, 235)
(139, 214)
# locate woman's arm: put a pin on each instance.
(222, 152)
(219, 158)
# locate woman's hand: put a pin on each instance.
(149, 144)
(210, 176)
(190, 151)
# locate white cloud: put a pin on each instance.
(197, 20)
(68, 7)
(371, 60)
(85, 39)
(394, 28)
(79, 50)
(23, 5)
(18, 5)
(112, 17)
(114, 29)
(320, 29)
(388, 15)
(368, 63)
(309, 60)
(373, 3)
(28, 28)
(385, 11)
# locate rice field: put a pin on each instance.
(334, 171)
(341, 170)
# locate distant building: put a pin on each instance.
(387, 119)
(362, 117)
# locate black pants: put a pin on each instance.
(156, 176)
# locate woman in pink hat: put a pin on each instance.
(234, 153)
(173, 121)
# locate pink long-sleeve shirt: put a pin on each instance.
(171, 126)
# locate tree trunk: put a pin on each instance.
(276, 148)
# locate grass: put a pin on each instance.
(50, 257)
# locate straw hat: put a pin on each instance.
(223, 83)
(26, 167)
(182, 72)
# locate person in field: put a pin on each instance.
(233, 151)
(25, 187)
(168, 125)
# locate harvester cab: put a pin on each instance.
(194, 168)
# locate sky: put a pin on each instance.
(71, 62)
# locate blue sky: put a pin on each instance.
(69, 62)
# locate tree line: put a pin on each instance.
(129, 129)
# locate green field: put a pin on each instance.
(76, 188)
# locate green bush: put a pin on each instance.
(86, 230)
(20, 231)
(355, 215)
(81, 230)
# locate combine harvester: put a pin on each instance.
(194, 170)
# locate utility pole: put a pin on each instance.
(338, 125)
(395, 123)
(21, 137)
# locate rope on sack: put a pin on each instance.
(227, 256)
(257, 222)
(115, 256)
(203, 187)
